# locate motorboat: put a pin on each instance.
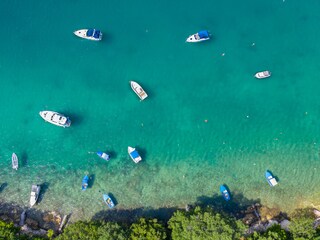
(85, 182)
(90, 34)
(55, 118)
(35, 190)
(104, 155)
(199, 36)
(133, 153)
(263, 74)
(271, 179)
(15, 161)
(107, 199)
(138, 90)
(225, 193)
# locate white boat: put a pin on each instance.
(138, 90)
(90, 34)
(35, 190)
(264, 74)
(199, 36)
(55, 118)
(15, 161)
(133, 153)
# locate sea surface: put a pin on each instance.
(207, 120)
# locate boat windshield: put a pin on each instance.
(96, 34)
(90, 32)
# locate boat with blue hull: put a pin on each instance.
(199, 36)
(225, 193)
(103, 155)
(85, 182)
(271, 179)
(107, 199)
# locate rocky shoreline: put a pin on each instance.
(35, 222)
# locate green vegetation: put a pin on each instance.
(204, 224)
(198, 224)
(147, 230)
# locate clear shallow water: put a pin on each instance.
(251, 126)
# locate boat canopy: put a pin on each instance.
(134, 154)
(203, 34)
(90, 32)
(96, 34)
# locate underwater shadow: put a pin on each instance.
(76, 119)
(3, 186)
(92, 178)
(44, 187)
(132, 215)
(142, 152)
(24, 158)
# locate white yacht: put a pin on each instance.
(263, 74)
(133, 153)
(15, 161)
(35, 190)
(199, 36)
(138, 90)
(90, 34)
(55, 118)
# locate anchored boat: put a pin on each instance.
(15, 161)
(107, 199)
(133, 153)
(90, 34)
(138, 90)
(84, 184)
(199, 36)
(35, 190)
(104, 155)
(55, 118)
(225, 193)
(271, 179)
(263, 74)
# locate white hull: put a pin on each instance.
(137, 158)
(55, 118)
(195, 38)
(264, 74)
(82, 33)
(138, 90)
(15, 161)
(35, 190)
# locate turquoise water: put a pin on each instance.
(206, 121)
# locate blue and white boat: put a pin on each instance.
(107, 199)
(271, 179)
(133, 153)
(85, 181)
(199, 36)
(90, 34)
(15, 161)
(103, 155)
(225, 193)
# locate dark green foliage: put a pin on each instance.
(273, 233)
(301, 226)
(147, 230)
(204, 224)
(8, 231)
(93, 230)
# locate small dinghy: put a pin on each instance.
(85, 181)
(35, 190)
(133, 153)
(199, 36)
(15, 161)
(104, 155)
(107, 199)
(264, 74)
(225, 193)
(271, 179)
(138, 90)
